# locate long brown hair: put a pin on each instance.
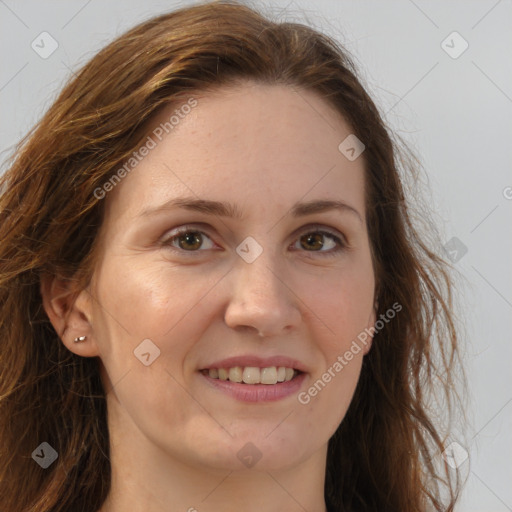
(385, 454)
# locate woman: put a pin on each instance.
(212, 295)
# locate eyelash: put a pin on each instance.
(341, 245)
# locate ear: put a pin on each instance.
(371, 323)
(70, 312)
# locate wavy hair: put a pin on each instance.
(386, 453)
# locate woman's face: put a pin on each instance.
(169, 305)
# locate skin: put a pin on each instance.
(174, 439)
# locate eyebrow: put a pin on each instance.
(225, 209)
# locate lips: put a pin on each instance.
(262, 393)
(255, 379)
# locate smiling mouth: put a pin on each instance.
(253, 375)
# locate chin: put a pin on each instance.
(256, 450)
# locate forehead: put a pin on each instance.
(251, 144)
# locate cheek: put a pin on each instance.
(163, 305)
(341, 302)
(154, 299)
(327, 396)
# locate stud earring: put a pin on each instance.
(80, 338)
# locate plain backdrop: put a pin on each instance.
(449, 95)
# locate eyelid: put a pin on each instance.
(203, 229)
(340, 239)
(176, 232)
(322, 229)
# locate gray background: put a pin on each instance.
(456, 113)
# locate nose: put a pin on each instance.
(261, 300)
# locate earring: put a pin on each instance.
(80, 338)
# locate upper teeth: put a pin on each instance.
(253, 374)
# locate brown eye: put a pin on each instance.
(323, 242)
(189, 240)
(312, 241)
